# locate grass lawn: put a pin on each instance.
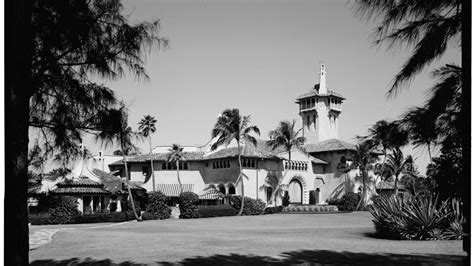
(277, 238)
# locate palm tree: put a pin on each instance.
(427, 25)
(362, 159)
(231, 126)
(388, 135)
(176, 156)
(146, 127)
(277, 187)
(399, 166)
(419, 122)
(287, 137)
(120, 133)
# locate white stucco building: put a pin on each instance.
(317, 169)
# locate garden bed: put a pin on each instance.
(311, 209)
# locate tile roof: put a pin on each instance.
(188, 156)
(80, 182)
(329, 145)
(262, 150)
(80, 190)
(173, 190)
(314, 92)
(79, 186)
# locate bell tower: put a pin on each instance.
(319, 111)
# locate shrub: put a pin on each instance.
(216, 211)
(39, 218)
(113, 206)
(271, 210)
(149, 216)
(251, 206)
(286, 199)
(348, 202)
(157, 205)
(112, 217)
(312, 197)
(127, 205)
(188, 205)
(65, 211)
(333, 201)
(417, 218)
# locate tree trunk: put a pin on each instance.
(362, 201)
(151, 164)
(241, 179)
(429, 152)
(179, 179)
(395, 186)
(18, 90)
(128, 186)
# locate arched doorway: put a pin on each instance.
(295, 191)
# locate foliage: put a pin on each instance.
(146, 128)
(388, 135)
(446, 170)
(286, 199)
(231, 126)
(113, 206)
(348, 202)
(312, 197)
(287, 137)
(117, 131)
(417, 218)
(216, 211)
(273, 209)
(65, 211)
(157, 205)
(419, 186)
(113, 217)
(126, 205)
(362, 159)
(426, 25)
(311, 209)
(251, 206)
(176, 156)
(39, 218)
(72, 40)
(278, 189)
(188, 202)
(149, 216)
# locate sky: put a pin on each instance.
(259, 56)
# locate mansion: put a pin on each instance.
(214, 174)
(205, 172)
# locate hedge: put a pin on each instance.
(188, 205)
(251, 206)
(348, 202)
(271, 210)
(113, 217)
(65, 211)
(216, 211)
(157, 205)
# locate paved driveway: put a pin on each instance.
(278, 238)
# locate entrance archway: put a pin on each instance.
(295, 191)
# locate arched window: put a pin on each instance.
(220, 164)
(222, 189)
(231, 190)
(253, 163)
(228, 164)
(286, 165)
(185, 166)
(169, 166)
(163, 166)
(214, 165)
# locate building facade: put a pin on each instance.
(316, 169)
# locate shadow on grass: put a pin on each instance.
(293, 257)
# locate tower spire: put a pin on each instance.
(322, 80)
